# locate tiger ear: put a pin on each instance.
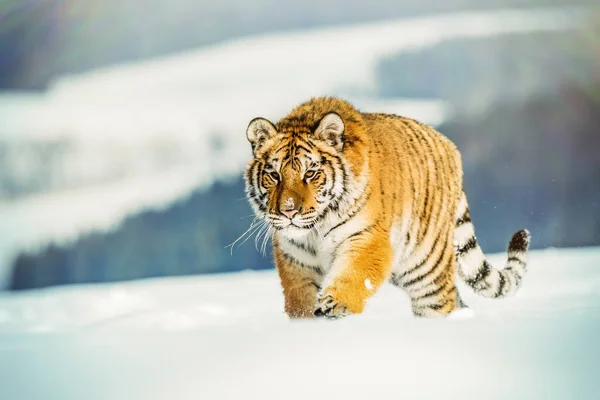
(259, 130)
(331, 130)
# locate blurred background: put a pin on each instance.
(122, 122)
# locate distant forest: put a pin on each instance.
(188, 238)
(530, 157)
(527, 111)
(40, 40)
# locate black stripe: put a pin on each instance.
(412, 155)
(437, 307)
(303, 246)
(424, 176)
(278, 149)
(442, 277)
(501, 285)
(366, 229)
(253, 184)
(262, 208)
(258, 176)
(518, 277)
(353, 236)
(413, 269)
(468, 246)
(466, 217)
(293, 260)
(341, 167)
(515, 259)
(428, 153)
(515, 273)
(333, 177)
(351, 215)
(334, 254)
(323, 151)
(336, 166)
(432, 293)
(429, 272)
(300, 147)
(483, 272)
(337, 226)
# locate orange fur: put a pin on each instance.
(299, 290)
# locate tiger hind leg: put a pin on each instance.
(439, 305)
(431, 284)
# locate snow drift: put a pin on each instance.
(226, 337)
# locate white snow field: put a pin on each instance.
(139, 136)
(226, 337)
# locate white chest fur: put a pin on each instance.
(317, 247)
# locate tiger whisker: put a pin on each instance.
(265, 233)
(243, 234)
(258, 227)
(266, 238)
(248, 232)
(263, 229)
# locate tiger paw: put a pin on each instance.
(329, 307)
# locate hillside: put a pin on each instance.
(109, 144)
(41, 40)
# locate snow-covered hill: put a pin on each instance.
(106, 144)
(225, 337)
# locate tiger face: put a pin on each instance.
(296, 175)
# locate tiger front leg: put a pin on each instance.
(300, 286)
(363, 263)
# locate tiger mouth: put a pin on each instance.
(280, 225)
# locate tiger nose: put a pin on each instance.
(289, 213)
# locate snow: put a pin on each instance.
(462, 313)
(226, 337)
(304, 63)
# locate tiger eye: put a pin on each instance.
(309, 174)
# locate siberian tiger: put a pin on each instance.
(356, 199)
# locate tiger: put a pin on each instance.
(355, 199)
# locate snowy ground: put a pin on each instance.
(225, 337)
(139, 136)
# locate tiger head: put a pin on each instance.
(303, 166)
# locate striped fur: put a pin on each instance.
(355, 199)
(474, 268)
